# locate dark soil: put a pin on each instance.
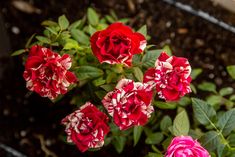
(23, 116)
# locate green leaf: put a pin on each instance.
(119, 143)
(214, 100)
(18, 52)
(88, 72)
(232, 98)
(75, 25)
(143, 30)
(49, 23)
(167, 49)
(151, 154)
(99, 81)
(165, 123)
(207, 86)
(63, 22)
(53, 31)
(167, 142)
(226, 91)
(220, 149)
(181, 124)
(231, 70)
(165, 105)
(27, 45)
(210, 140)
(150, 58)
(231, 140)
(193, 88)
(71, 44)
(100, 94)
(107, 87)
(109, 18)
(226, 122)
(43, 39)
(195, 73)
(113, 14)
(137, 134)
(184, 101)
(92, 16)
(80, 36)
(136, 60)
(154, 138)
(155, 149)
(138, 74)
(107, 141)
(203, 112)
(92, 30)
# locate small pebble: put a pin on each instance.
(6, 112)
(223, 73)
(182, 30)
(218, 81)
(15, 30)
(23, 133)
(48, 142)
(168, 24)
(199, 42)
(31, 119)
(211, 75)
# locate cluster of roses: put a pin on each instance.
(46, 72)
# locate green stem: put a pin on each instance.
(219, 132)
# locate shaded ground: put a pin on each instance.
(23, 117)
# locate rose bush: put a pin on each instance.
(117, 44)
(86, 127)
(126, 86)
(46, 72)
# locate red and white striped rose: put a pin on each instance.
(170, 76)
(46, 72)
(86, 127)
(129, 104)
(185, 146)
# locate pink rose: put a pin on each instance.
(117, 44)
(129, 104)
(185, 146)
(46, 72)
(86, 127)
(171, 76)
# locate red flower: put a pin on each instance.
(86, 127)
(171, 76)
(46, 72)
(117, 44)
(185, 146)
(129, 104)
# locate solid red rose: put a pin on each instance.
(86, 127)
(170, 76)
(117, 44)
(129, 104)
(46, 72)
